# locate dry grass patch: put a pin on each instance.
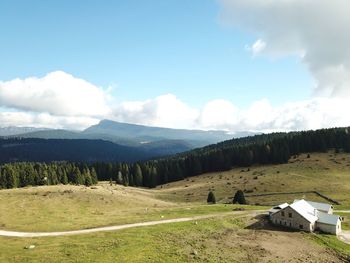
(66, 207)
(223, 239)
(327, 173)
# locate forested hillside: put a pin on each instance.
(260, 149)
(23, 174)
(80, 150)
(154, 140)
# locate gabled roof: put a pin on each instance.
(319, 206)
(278, 208)
(304, 209)
(281, 206)
(327, 218)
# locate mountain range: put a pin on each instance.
(122, 142)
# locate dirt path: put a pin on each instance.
(112, 228)
(344, 236)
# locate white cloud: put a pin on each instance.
(261, 116)
(163, 111)
(316, 31)
(218, 114)
(57, 93)
(50, 107)
(258, 47)
(45, 120)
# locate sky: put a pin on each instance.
(236, 65)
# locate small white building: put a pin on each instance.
(307, 216)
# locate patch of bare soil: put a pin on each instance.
(256, 243)
(265, 243)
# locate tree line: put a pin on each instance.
(272, 148)
(22, 174)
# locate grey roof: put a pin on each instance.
(327, 218)
(304, 209)
(320, 206)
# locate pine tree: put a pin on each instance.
(239, 198)
(93, 174)
(137, 175)
(78, 177)
(211, 198)
(10, 176)
(153, 177)
(88, 180)
(119, 178)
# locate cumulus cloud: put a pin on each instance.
(57, 93)
(258, 47)
(218, 114)
(316, 31)
(261, 116)
(57, 100)
(164, 111)
(35, 102)
(45, 120)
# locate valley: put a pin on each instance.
(234, 236)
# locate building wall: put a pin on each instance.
(330, 210)
(331, 229)
(296, 221)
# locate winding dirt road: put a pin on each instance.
(111, 228)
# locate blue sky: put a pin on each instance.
(144, 49)
(143, 59)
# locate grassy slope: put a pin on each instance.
(328, 173)
(58, 208)
(223, 239)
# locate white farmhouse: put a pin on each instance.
(307, 216)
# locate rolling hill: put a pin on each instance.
(141, 133)
(13, 130)
(154, 141)
(79, 150)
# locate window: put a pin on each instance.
(282, 213)
(285, 223)
(290, 214)
(301, 226)
(280, 222)
(290, 223)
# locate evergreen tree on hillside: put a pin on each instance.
(125, 174)
(211, 198)
(153, 177)
(88, 180)
(239, 198)
(78, 177)
(137, 175)
(93, 175)
(10, 177)
(87, 176)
